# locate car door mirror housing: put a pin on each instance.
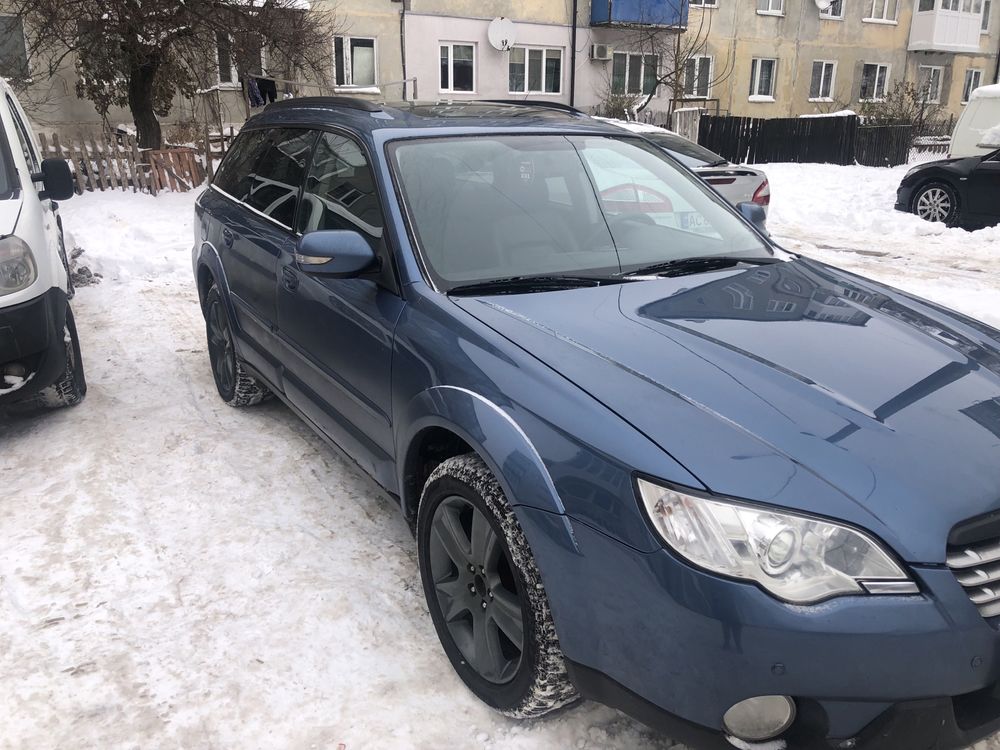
(56, 179)
(343, 254)
(755, 214)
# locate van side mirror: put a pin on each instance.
(56, 180)
(755, 214)
(341, 253)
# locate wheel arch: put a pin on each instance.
(447, 421)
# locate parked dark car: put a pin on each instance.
(958, 192)
(649, 457)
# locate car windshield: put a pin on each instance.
(495, 207)
(688, 153)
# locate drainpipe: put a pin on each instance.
(402, 48)
(572, 57)
(996, 72)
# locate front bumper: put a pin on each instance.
(31, 334)
(904, 198)
(689, 645)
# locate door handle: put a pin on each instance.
(289, 279)
(228, 236)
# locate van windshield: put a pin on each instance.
(496, 207)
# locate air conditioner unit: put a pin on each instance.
(601, 52)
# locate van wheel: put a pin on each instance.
(485, 594)
(936, 201)
(235, 385)
(71, 387)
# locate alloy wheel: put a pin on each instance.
(476, 589)
(220, 348)
(934, 204)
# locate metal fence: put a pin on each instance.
(830, 140)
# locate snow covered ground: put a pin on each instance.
(177, 573)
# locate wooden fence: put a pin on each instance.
(830, 140)
(117, 163)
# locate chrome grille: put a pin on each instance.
(977, 568)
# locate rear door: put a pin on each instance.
(337, 333)
(262, 186)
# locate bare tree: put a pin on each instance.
(674, 56)
(140, 54)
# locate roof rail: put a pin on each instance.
(347, 102)
(543, 103)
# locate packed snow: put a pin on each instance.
(178, 573)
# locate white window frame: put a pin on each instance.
(929, 10)
(951, 6)
(545, 57)
(770, 10)
(348, 62)
(872, 18)
(451, 67)
(828, 15)
(708, 87)
(234, 74)
(833, 80)
(704, 3)
(936, 99)
(885, 81)
(755, 68)
(642, 71)
(967, 90)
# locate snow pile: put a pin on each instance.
(838, 113)
(990, 137)
(14, 383)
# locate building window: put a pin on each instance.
(458, 67)
(772, 7)
(821, 85)
(224, 56)
(973, 80)
(883, 10)
(987, 6)
(954, 5)
(13, 52)
(836, 10)
(929, 79)
(698, 77)
(633, 73)
(925, 5)
(705, 3)
(354, 61)
(874, 81)
(535, 71)
(762, 77)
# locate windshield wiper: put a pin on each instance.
(682, 266)
(525, 284)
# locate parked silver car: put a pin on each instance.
(737, 183)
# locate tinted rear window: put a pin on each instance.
(275, 184)
(234, 174)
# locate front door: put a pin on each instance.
(983, 188)
(337, 333)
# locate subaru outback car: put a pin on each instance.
(649, 457)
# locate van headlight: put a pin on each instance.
(798, 559)
(17, 265)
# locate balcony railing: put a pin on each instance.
(665, 13)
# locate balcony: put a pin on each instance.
(662, 13)
(943, 30)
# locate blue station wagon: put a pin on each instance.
(650, 458)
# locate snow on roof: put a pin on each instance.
(987, 92)
(840, 113)
(635, 127)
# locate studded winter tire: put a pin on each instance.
(236, 386)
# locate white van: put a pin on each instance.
(977, 131)
(40, 364)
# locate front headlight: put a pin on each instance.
(796, 558)
(17, 265)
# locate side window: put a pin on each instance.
(274, 188)
(235, 174)
(340, 191)
(25, 140)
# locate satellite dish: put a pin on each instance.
(823, 5)
(501, 33)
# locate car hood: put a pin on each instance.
(794, 384)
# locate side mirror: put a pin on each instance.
(343, 254)
(755, 214)
(56, 179)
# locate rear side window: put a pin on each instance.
(340, 191)
(274, 188)
(235, 174)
